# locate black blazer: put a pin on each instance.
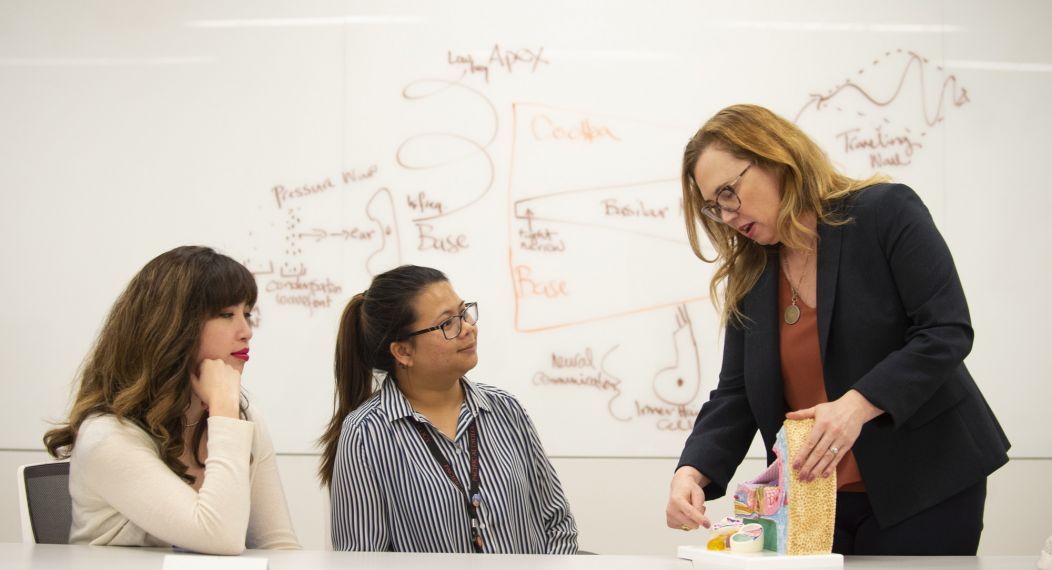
(893, 324)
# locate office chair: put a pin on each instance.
(44, 502)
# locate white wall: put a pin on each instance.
(139, 129)
(619, 503)
(131, 118)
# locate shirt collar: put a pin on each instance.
(395, 405)
(474, 398)
(393, 402)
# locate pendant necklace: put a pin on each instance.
(792, 312)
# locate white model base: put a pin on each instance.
(759, 561)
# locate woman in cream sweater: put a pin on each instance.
(163, 448)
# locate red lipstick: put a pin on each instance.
(241, 354)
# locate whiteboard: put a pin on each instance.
(530, 151)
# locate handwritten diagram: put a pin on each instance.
(663, 398)
(591, 204)
(598, 265)
(882, 116)
(602, 283)
(679, 383)
(532, 153)
(596, 239)
(290, 276)
(459, 167)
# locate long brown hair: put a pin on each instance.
(139, 369)
(371, 321)
(809, 184)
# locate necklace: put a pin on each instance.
(472, 496)
(792, 312)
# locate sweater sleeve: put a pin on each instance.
(269, 523)
(121, 465)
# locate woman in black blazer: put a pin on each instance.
(862, 262)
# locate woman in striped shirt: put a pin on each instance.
(430, 461)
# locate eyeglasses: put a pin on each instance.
(727, 199)
(452, 326)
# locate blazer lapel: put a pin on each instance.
(829, 238)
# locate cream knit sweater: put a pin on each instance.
(124, 495)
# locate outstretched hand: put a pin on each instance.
(686, 500)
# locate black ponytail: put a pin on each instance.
(371, 321)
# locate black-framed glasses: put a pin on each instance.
(726, 199)
(452, 326)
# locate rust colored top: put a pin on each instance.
(802, 373)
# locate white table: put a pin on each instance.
(60, 557)
(941, 562)
(57, 557)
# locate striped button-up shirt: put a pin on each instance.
(389, 493)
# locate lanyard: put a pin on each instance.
(471, 496)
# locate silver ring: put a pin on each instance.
(834, 449)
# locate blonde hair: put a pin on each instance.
(139, 369)
(809, 184)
